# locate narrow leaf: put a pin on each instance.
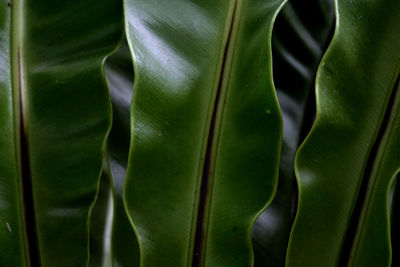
(292, 57)
(372, 243)
(101, 222)
(56, 118)
(119, 73)
(115, 241)
(13, 240)
(355, 82)
(206, 128)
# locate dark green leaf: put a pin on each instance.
(12, 233)
(372, 242)
(297, 47)
(119, 72)
(55, 120)
(206, 128)
(119, 242)
(101, 223)
(355, 82)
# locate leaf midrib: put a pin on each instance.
(375, 157)
(207, 178)
(20, 109)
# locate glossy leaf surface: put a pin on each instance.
(204, 119)
(57, 52)
(12, 228)
(301, 33)
(394, 221)
(119, 73)
(372, 243)
(354, 84)
(101, 222)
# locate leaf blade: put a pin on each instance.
(372, 241)
(331, 162)
(289, 51)
(61, 52)
(177, 65)
(12, 228)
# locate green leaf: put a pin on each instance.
(372, 241)
(55, 116)
(12, 227)
(394, 198)
(206, 128)
(119, 73)
(101, 222)
(355, 81)
(115, 240)
(301, 33)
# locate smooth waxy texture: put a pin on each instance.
(55, 62)
(204, 117)
(372, 244)
(394, 199)
(101, 222)
(119, 73)
(185, 54)
(246, 138)
(354, 84)
(13, 245)
(116, 239)
(301, 33)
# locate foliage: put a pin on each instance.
(188, 133)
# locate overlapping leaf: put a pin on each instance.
(205, 133)
(355, 82)
(301, 33)
(112, 235)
